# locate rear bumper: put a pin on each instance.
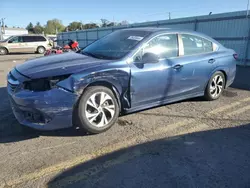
(48, 110)
(231, 76)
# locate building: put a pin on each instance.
(7, 32)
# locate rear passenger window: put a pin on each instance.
(208, 46)
(40, 38)
(34, 38)
(28, 39)
(195, 45)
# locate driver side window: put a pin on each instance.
(164, 46)
(16, 40)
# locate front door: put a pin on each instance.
(150, 82)
(16, 44)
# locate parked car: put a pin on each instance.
(126, 71)
(25, 43)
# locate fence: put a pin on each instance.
(230, 29)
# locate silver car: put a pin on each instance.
(25, 43)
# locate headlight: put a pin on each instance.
(43, 84)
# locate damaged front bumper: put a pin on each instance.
(46, 110)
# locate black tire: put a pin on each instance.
(3, 51)
(82, 107)
(41, 50)
(208, 94)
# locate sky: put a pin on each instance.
(19, 13)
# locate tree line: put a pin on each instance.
(55, 26)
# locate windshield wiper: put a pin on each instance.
(89, 54)
(98, 56)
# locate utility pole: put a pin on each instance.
(248, 8)
(3, 25)
(1, 36)
(81, 25)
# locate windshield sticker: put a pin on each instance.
(135, 38)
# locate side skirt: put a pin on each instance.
(161, 103)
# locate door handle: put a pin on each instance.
(178, 66)
(211, 61)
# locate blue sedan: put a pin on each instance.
(126, 71)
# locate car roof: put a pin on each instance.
(31, 35)
(156, 30)
(163, 30)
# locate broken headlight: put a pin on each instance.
(43, 84)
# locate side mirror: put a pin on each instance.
(150, 58)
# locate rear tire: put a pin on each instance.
(41, 50)
(98, 109)
(3, 51)
(215, 86)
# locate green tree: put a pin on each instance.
(30, 28)
(38, 29)
(73, 26)
(54, 26)
(90, 26)
(104, 23)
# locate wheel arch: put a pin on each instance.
(40, 46)
(219, 69)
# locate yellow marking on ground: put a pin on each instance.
(104, 151)
(197, 128)
(227, 107)
(169, 128)
(96, 169)
(71, 163)
(122, 159)
(241, 110)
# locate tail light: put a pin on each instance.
(235, 56)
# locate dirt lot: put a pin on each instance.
(192, 143)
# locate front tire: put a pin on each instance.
(215, 86)
(3, 51)
(98, 109)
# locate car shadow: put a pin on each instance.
(214, 158)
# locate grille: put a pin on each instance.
(13, 83)
(12, 87)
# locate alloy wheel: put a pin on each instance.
(2, 51)
(100, 109)
(216, 86)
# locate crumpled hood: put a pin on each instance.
(55, 65)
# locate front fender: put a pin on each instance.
(119, 78)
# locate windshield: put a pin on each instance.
(5, 40)
(115, 45)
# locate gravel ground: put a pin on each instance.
(192, 143)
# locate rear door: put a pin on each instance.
(30, 42)
(193, 67)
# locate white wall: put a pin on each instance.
(10, 32)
